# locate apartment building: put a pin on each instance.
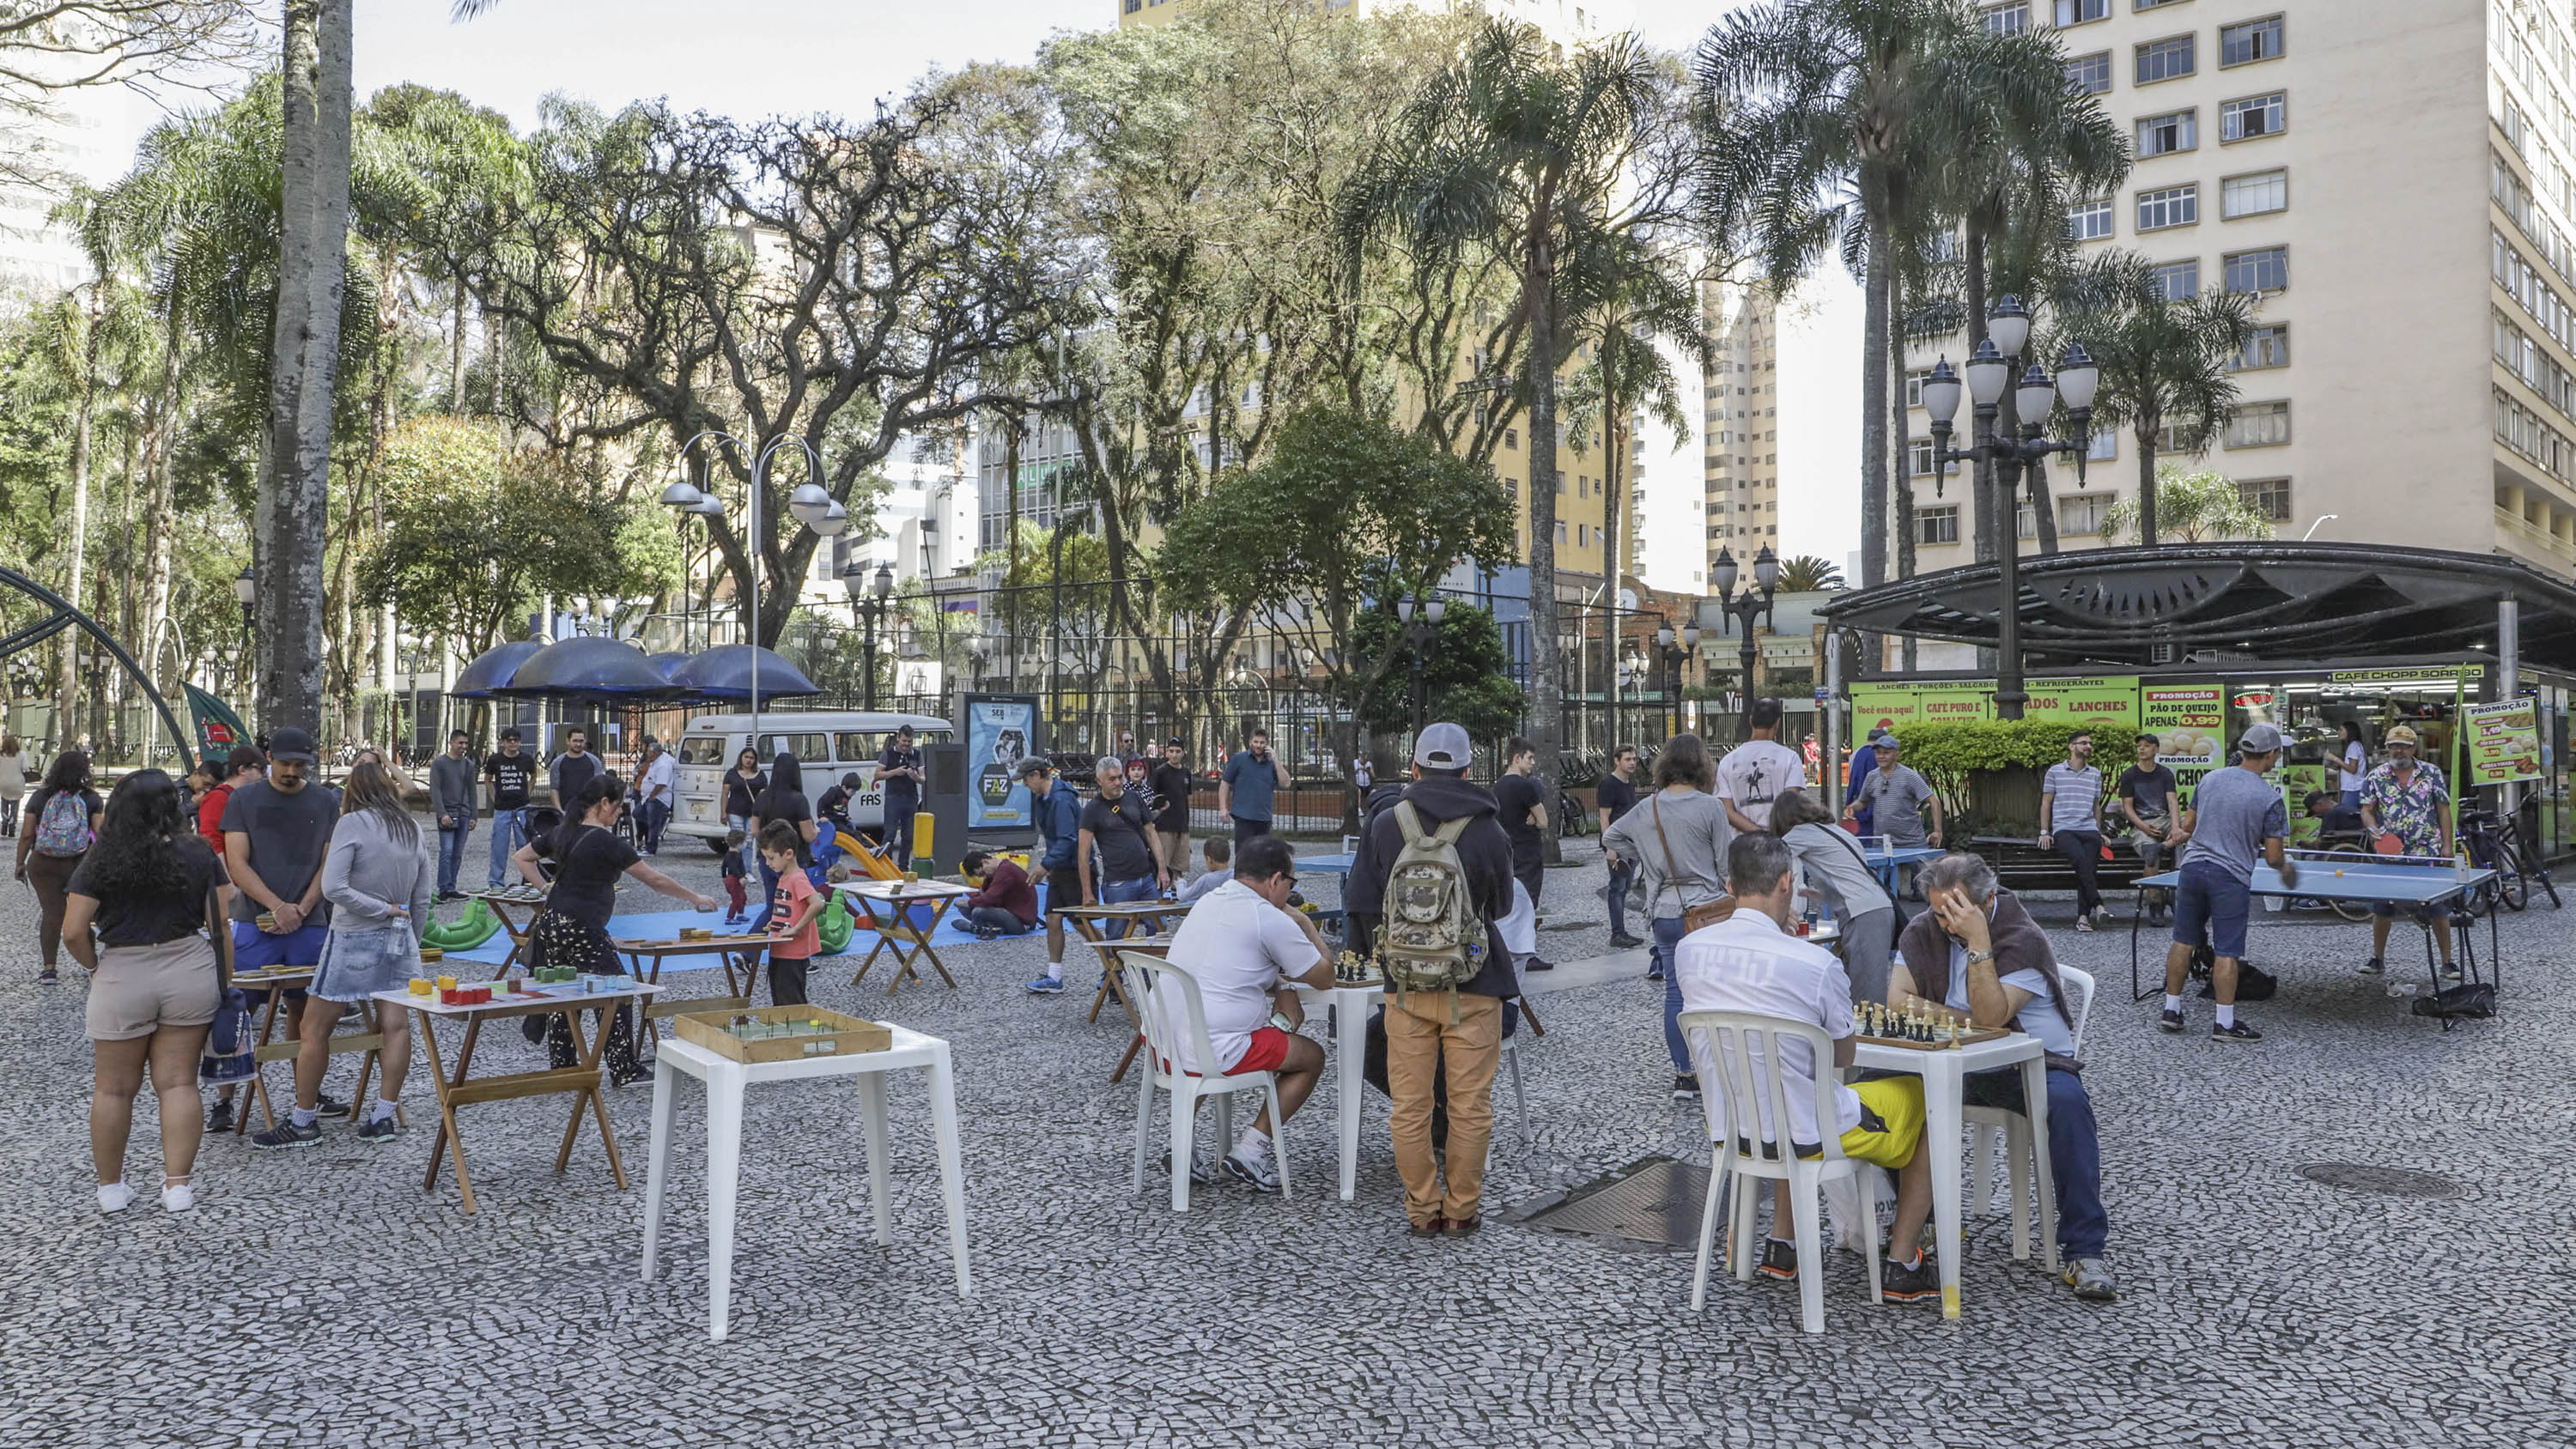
(1740, 421)
(2392, 179)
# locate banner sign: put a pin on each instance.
(2106, 700)
(1001, 730)
(2189, 722)
(2426, 675)
(2504, 742)
(1883, 706)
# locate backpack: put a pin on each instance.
(63, 830)
(1432, 939)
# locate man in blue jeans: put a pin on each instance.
(1117, 830)
(1058, 817)
(452, 781)
(1248, 791)
(1616, 797)
(513, 773)
(1976, 951)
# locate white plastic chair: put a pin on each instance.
(1995, 1133)
(1520, 1098)
(1743, 1048)
(1149, 979)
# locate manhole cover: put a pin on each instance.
(1653, 1202)
(1571, 926)
(2385, 1181)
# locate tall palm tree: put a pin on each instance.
(1814, 115)
(2164, 359)
(1517, 150)
(1805, 573)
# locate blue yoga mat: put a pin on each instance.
(664, 924)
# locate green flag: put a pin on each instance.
(218, 728)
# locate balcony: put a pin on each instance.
(2533, 541)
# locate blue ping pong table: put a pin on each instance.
(1887, 859)
(2423, 888)
(1336, 864)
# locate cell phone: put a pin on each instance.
(1280, 1020)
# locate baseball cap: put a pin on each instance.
(1177, 740)
(2260, 739)
(1885, 741)
(1876, 734)
(1035, 765)
(2400, 735)
(1443, 747)
(291, 743)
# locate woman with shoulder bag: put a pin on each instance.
(1864, 915)
(65, 814)
(589, 855)
(149, 887)
(379, 883)
(1677, 839)
(743, 785)
(13, 781)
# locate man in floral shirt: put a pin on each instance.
(2406, 799)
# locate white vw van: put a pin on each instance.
(826, 743)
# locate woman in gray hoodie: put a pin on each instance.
(1677, 839)
(378, 881)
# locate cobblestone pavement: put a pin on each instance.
(320, 1297)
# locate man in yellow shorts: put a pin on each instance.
(1751, 962)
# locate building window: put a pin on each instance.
(2271, 495)
(2154, 4)
(1937, 525)
(2267, 270)
(1914, 386)
(2244, 120)
(2256, 195)
(2089, 75)
(2259, 425)
(2249, 42)
(2077, 12)
(1560, 531)
(2167, 59)
(2089, 220)
(2104, 446)
(2178, 281)
(1512, 438)
(1918, 457)
(2011, 18)
(2025, 522)
(2168, 207)
(2268, 347)
(2163, 135)
(2083, 512)
(1135, 5)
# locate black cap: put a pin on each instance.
(290, 744)
(1177, 740)
(1035, 765)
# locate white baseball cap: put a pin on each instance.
(2259, 739)
(1443, 747)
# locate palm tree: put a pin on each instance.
(1813, 116)
(1524, 153)
(1805, 573)
(2200, 507)
(2164, 360)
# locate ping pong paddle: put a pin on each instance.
(2385, 845)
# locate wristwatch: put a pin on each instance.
(1976, 956)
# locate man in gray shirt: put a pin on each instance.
(453, 782)
(2237, 816)
(1896, 795)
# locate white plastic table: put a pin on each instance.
(1350, 1057)
(1944, 1075)
(725, 1080)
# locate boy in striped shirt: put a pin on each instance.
(2070, 822)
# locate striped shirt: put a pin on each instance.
(2077, 794)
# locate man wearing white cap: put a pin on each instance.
(2238, 815)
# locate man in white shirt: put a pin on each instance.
(1749, 962)
(661, 784)
(1244, 943)
(1752, 775)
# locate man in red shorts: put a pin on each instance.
(1246, 946)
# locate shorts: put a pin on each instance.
(356, 964)
(140, 989)
(2423, 914)
(255, 949)
(1268, 1052)
(2210, 908)
(1172, 850)
(1891, 1121)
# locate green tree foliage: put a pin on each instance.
(1463, 678)
(1803, 573)
(2201, 507)
(1947, 755)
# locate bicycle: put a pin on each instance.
(2495, 842)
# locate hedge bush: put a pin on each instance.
(1946, 754)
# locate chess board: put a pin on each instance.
(1966, 1039)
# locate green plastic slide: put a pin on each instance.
(466, 932)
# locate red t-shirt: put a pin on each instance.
(806, 944)
(210, 817)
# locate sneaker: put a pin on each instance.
(1655, 971)
(2092, 1281)
(2084, 923)
(1260, 1176)
(2102, 915)
(2373, 967)
(329, 1106)
(1902, 1284)
(220, 1119)
(287, 1134)
(1430, 1229)
(49, 977)
(1779, 1261)
(2171, 1023)
(1625, 942)
(382, 1129)
(736, 919)
(2239, 1032)
(1541, 963)
(115, 1197)
(1047, 986)
(177, 1197)
(1685, 1089)
(988, 933)
(1461, 1227)
(1201, 1170)
(2450, 971)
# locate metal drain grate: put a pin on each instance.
(2384, 1181)
(1652, 1203)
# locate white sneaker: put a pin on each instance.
(1253, 1166)
(177, 1197)
(115, 1197)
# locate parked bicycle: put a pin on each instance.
(2494, 841)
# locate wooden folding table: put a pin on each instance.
(457, 1087)
(1089, 921)
(738, 994)
(893, 929)
(517, 931)
(369, 1043)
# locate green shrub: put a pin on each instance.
(1946, 755)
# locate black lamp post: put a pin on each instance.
(1755, 603)
(1989, 371)
(869, 598)
(1419, 634)
(246, 594)
(1674, 655)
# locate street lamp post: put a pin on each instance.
(868, 601)
(246, 594)
(811, 504)
(1988, 372)
(1673, 655)
(1741, 612)
(1421, 621)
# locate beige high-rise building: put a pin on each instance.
(2393, 178)
(1740, 420)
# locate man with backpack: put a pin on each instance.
(1446, 878)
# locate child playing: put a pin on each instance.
(1217, 851)
(733, 877)
(795, 917)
